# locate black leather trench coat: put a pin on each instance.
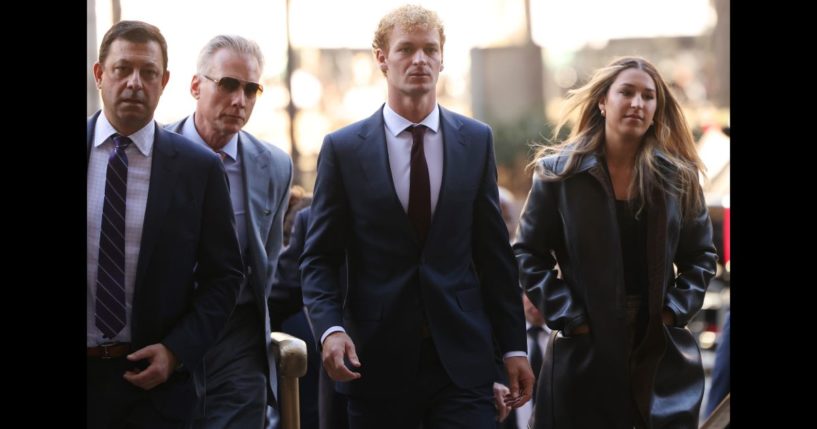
(589, 381)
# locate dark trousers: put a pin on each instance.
(332, 406)
(432, 400)
(236, 374)
(113, 402)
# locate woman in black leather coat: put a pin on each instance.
(619, 208)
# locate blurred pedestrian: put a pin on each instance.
(721, 374)
(619, 207)
(538, 337)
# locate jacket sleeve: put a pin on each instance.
(537, 237)
(695, 260)
(285, 295)
(325, 247)
(218, 273)
(495, 262)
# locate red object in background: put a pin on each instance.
(726, 235)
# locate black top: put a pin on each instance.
(633, 233)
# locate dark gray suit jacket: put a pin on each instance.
(267, 174)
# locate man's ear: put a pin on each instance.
(194, 86)
(380, 56)
(98, 74)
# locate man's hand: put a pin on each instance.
(335, 347)
(502, 409)
(520, 377)
(162, 364)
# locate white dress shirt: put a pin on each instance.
(398, 143)
(139, 165)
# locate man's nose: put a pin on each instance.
(135, 81)
(239, 97)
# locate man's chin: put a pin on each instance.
(232, 126)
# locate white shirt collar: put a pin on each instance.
(143, 139)
(189, 131)
(396, 124)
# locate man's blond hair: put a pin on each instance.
(408, 17)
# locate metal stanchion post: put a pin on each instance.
(290, 353)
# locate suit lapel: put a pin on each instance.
(162, 175)
(90, 137)
(373, 158)
(256, 176)
(453, 148)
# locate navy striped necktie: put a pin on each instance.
(110, 281)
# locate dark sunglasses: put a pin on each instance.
(230, 84)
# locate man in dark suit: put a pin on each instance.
(240, 370)
(538, 338)
(331, 405)
(163, 262)
(408, 200)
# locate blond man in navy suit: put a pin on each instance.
(407, 199)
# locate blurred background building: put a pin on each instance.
(508, 62)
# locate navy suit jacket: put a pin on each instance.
(267, 176)
(189, 269)
(464, 277)
(288, 274)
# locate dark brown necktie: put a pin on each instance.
(419, 206)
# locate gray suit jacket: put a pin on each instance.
(267, 174)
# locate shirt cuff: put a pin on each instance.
(331, 330)
(514, 354)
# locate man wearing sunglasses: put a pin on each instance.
(240, 373)
(163, 261)
(407, 199)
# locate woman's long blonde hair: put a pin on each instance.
(669, 135)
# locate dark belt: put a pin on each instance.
(109, 350)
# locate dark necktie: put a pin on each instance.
(419, 206)
(535, 354)
(110, 280)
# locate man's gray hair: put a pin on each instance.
(234, 43)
